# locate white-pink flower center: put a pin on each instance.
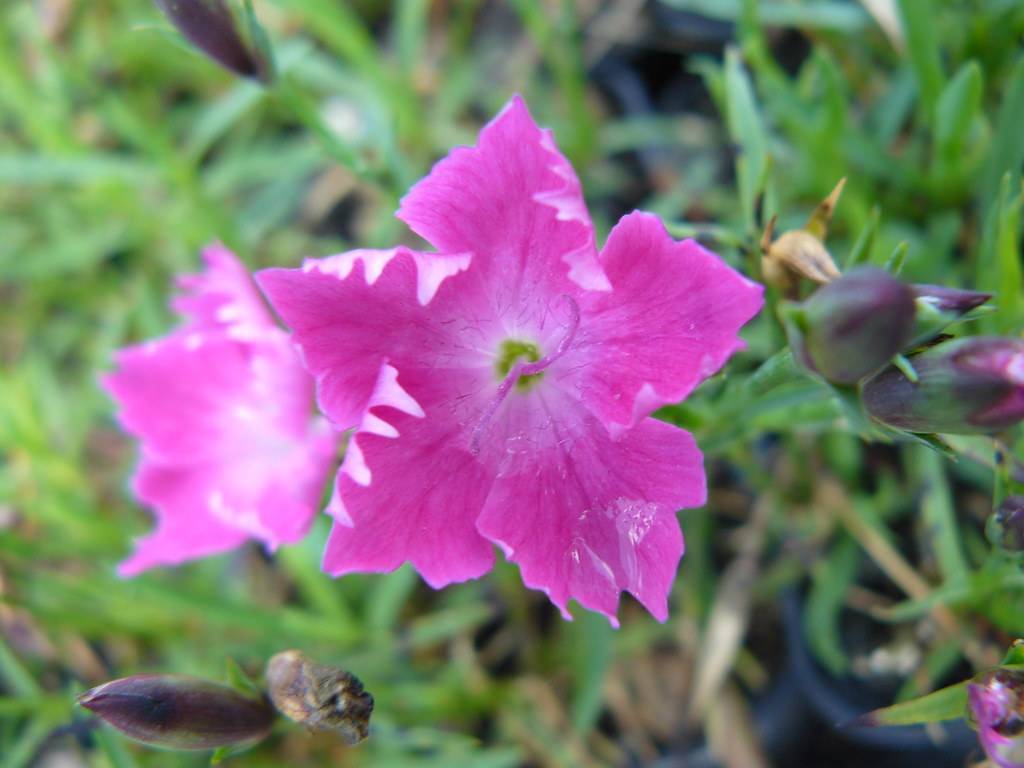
(519, 370)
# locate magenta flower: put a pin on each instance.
(994, 707)
(500, 388)
(223, 410)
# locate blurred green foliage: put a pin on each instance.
(122, 153)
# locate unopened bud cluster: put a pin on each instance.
(851, 331)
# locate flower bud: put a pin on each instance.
(995, 699)
(1005, 529)
(179, 712)
(968, 386)
(211, 27)
(938, 307)
(319, 697)
(853, 326)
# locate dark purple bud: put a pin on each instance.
(853, 326)
(968, 386)
(178, 712)
(994, 700)
(938, 307)
(321, 698)
(212, 28)
(946, 299)
(1005, 528)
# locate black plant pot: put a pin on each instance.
(835, 701)
(801, 719)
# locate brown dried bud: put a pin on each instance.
(801, 253)
(321, 698)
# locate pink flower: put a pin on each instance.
(222, 407)
(994, 707)
(500, 388)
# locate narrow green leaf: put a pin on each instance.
(830, 580)
(1014, 655)
(894, 264)
(1010, 299)
(809, 14)
(442, 625)
(23, 751)
(746, 129)
(389, 594)
(918, 17)
(98, 167)
(1007, 149)
(948, 703)
(240, 680)
(861, 251)
(113, 746)
(939, 516)
(261, 42)
(998, 265)
(410, 31)
(223, 753)
(905, 367)
(956, 111)
(778, 369)
(591, 641)
(889, 114)
(13, 673)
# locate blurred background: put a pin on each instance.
(824, 577)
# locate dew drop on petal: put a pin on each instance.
(633, 520)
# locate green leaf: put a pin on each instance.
(388, 596)
(894, 264)
(861, 251)
(113, 746)
(948, 703)
(777, 370)
(809, 14)
(1014, 655)
(939, 516)
(747, 130)
(410, 33)
(240, 681)
(1007, 149)
(918, 17)
(830, 580)
(901, 363)
(998, 267)
(17, 679)
(23, 751)
(223, 753)
(261, 42)
(1009, 301)
(932, 442)
(957, 109)
(591, 642)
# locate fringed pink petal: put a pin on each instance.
(671, 320)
